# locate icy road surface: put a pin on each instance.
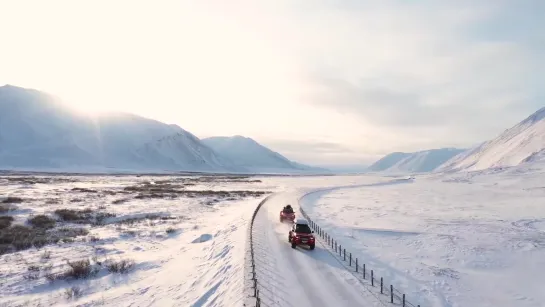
(300, 277)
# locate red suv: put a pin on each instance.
(301, 234)
(287, 214)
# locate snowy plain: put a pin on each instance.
(467, 239)
(186, 235)
(471, 239)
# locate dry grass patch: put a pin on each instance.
(33, 272)
(151, 217)
(5, 221)
(83, 190)
(85, 216)
(73, 292)
(35, 180)
(174, 188)
(53, 201)
(12, 200)
(20, 237)
(122, 266)
(42, 221)
(120, 201)
(80, 269)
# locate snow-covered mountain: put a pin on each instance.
(184, 151)
(525, 142)
(39, 133)
(246, 153)
(416, 162)
(387, 161)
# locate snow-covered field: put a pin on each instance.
(182, 239)
(459, 240)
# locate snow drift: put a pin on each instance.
(525, 142)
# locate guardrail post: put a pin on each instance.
(364, 271)
(381, 285)
(340, 250)
(403, 299)
(344, 252)
(391, 294)
(350, 263)
(372, 279)
(356, 265)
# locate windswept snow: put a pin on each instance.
(462, 240)
(417, 162)
(525, 142)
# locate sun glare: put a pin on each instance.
(87, 108)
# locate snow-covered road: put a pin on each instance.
(300, 277)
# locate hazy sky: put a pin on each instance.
(320, 81)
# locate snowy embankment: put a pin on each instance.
(464, 240)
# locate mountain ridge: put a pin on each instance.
(417, 162)
(247, 153)
(50, 135)
(522, 143)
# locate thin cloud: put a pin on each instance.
(370, 76)
(424, 72)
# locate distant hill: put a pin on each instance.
(246, 153)
(387, 161)
(525, 142)
(415, 162)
